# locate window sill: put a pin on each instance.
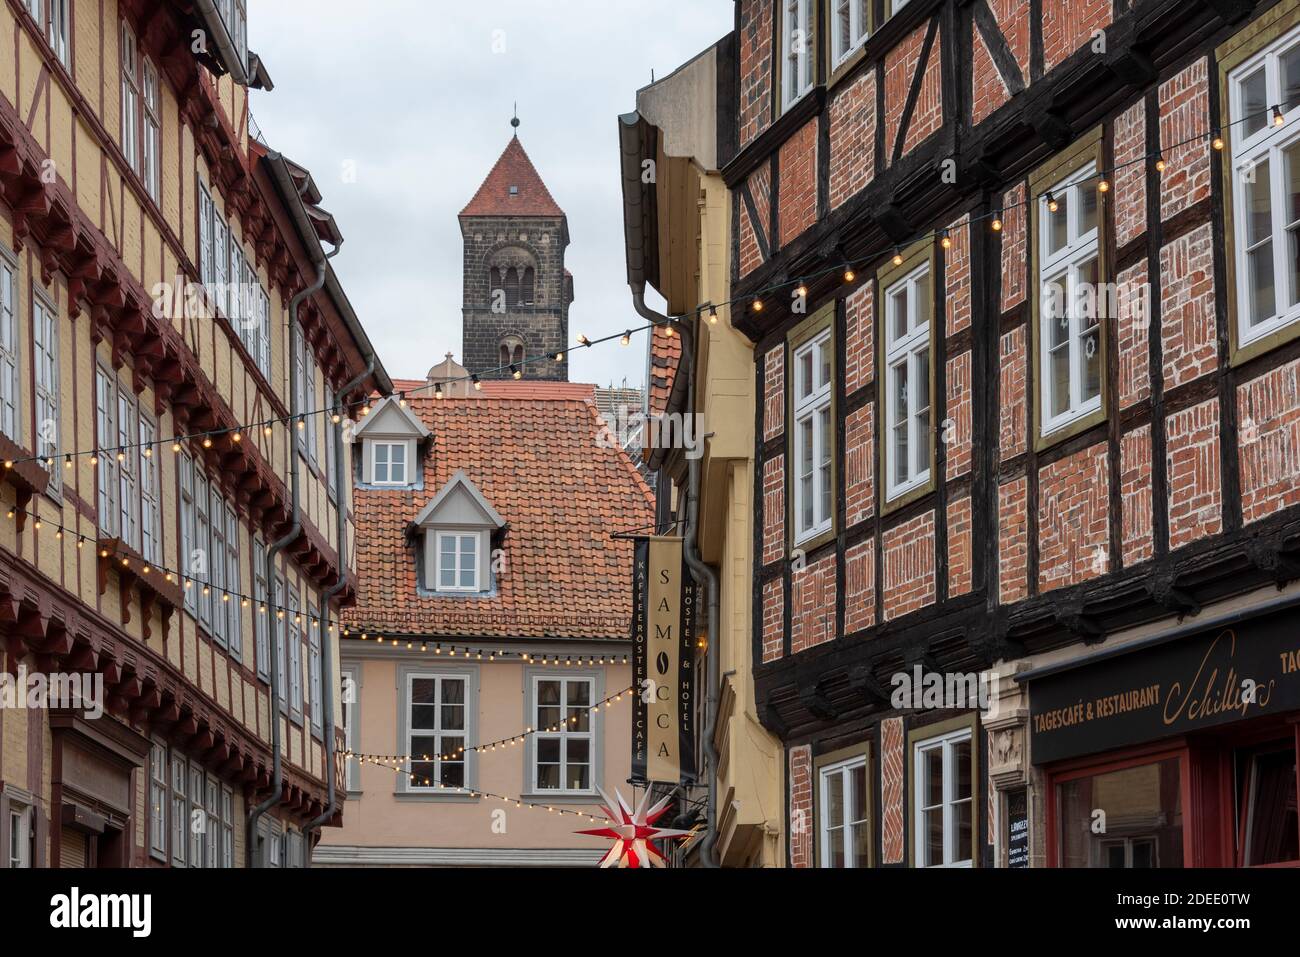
(1280, 334)
(1070, 429)
(907, 496)
(434, 797)
(562, 797)
(812, 542)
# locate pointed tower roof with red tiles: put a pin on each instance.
(513, 188)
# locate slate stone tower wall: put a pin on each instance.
(489, 317)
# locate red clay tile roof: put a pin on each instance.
(531, 449)
(665, 353)
(513, 168)
(509, 389)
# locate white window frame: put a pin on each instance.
(217, 564)
(10, 389)
(459, 537)
(911, 350)
(180, 814)
(564, 735)
(799, 53)
(56, 30)
(227, 827)
(151, 129)
(949, 800)
(189, 526)
(159, 799)
(106, 427)
(1249, 148)
(859, 28)
(1079, 248)
(295, 656)
(212, 826)
(261, 614)
(350, 712)
(45, 360)
(131, 96)
(281, 633)
(196, 812)
(811, 408)
(19, 852)
(128, 488)
(150, 493)
(389, 464)
(845, 829)
(437, 732)
(203, 543)
(234, 587)
(207, 240)
(314, 670)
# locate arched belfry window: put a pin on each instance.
(512, 286)
(526, 287)
(511, 351)
(512, 277)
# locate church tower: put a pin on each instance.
(516, 289)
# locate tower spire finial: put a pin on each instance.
(514, 121)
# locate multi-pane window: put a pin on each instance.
(188, 530)
(45, 357)
(52, 17)
(212, 827)
(331, 463)
(435, 730)
(106, 427)
(800, 54)
(130, 98)
(150, 497)
(281, 640)
(813, 438)
(10, 390)
(389, 463)
(261, 614)
(227, 827)
(1069, 300)
(314, 669)
(295, 655)
(197, 823)
(19, 851)
(349, 694)
(180, 810)
(844, 832)
(304, 370)
(907, 435)
(1266, 188)
(231, 280)
(457, 560)
(217, 563)
(850, 25)
(943, 808)
(127, 488)
(158, 800)
(233, 14)
(201, 562)
(234, 617)
(564, 743)
(151, 131)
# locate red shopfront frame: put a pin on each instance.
(1213, 824)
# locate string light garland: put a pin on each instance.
(468, 652)
(996, 218)
(498, 745)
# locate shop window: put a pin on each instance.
(1130, 817)
(1267, 799)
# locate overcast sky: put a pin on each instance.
(416, 97)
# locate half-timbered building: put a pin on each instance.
(1021, 279)
(172, 343)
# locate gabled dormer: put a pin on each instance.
(455, 537)
(391, 438)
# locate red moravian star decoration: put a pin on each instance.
(634, 832)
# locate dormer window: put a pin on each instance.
(390, 438)
(457, 557)
(388, 461)
(455, 540)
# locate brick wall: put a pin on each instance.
(960, 556)
(1130, 193)
(751, 256)
(755, 36)
(1137, 539)
(1268, 416)
(1068, 25)
(760, 190)
(801, 807)
(812, 604)
(773, 619)
(773, 393)
(1195, 489)
(956, 275)
(1012, 395)
(1013, 247)
(859, 345)
(797, 160)
(909, 566)
(927, 114)
(1133, 333)
(1073, 520)
(859, 465)
(1013, 540)
(1188, 334)
(852, 137)
(893, 833)
(860, 586)
(773, 509)
(1185, 115)
(957, 431)
(988, 87)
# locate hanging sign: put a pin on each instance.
(663, 663)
